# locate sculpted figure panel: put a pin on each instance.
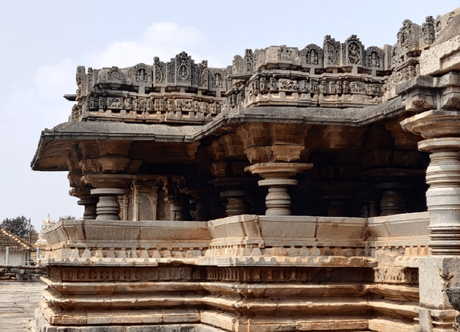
(286, 53)
(183, 68)
(248, 61)
(159, 69)
(428, 32)
(312, 55)
(331, 51)
(142, 74)
(375, 58)
(353, 52)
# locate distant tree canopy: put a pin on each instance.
(19, 226)
(67, 218)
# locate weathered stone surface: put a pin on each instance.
(18, 303)
(177, 236)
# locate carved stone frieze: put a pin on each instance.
(395, 275)
(106, 94)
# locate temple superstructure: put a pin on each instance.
(295, 190)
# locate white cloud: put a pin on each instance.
(164, 40)
(37, 103)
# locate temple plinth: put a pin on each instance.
(167, 147)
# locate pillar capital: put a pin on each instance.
(434, 124)
(108, 180)
(273, 142)
(273, 170)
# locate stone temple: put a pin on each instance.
(313, 189)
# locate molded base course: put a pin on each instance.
(226, 323)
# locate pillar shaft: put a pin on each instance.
(277, 176)
(108, 207)
(233, 197)
(236, 204)
(89, 205)
(443, 195)
(441, 130)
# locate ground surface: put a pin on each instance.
(18, 301)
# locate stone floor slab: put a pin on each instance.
(18, 301)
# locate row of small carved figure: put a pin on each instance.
(312, 86)
(127, 273)
(397, 275)
(352, 52)
(266, 274)
(254, 274)
(181, 105)
(402, 75)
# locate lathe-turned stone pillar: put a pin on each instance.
(277, 177)
(443, 195)
(393, 185)
(232, 194)
(441, 130)
(108, 187)
(393, 200)
(178, 207)
(200, 199)
(108, 207)
(87, 200)
(340, 194)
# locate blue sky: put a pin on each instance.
(44, 41)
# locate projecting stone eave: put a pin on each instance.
(303, 115)
(55, 144)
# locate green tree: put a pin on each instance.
(19, 226)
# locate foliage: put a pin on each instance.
(19, 226)
(67, 218)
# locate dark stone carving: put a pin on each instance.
(453, 293)
(331, 51)
(353, 52)
(312, 55)
(428, 33)
(183, 68)
(159, 70)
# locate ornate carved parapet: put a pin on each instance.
(441, 130)
(178, 91)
